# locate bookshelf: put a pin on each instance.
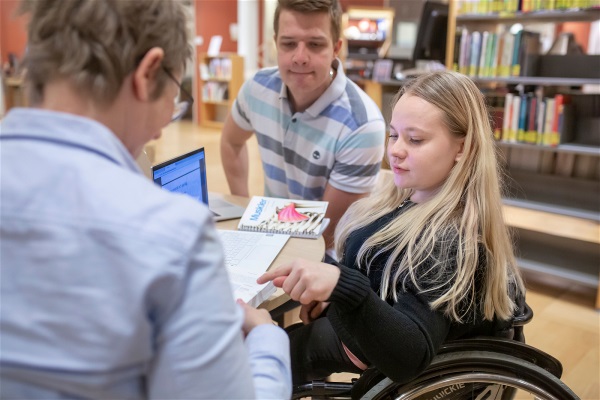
(553, 203)
(220, 80)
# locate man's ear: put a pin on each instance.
(144, 76)
(337, 47)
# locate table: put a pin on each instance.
(310, 249)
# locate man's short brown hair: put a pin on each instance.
(331, 7)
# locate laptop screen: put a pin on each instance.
(184, 174)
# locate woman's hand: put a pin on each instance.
(305, 281)
(253, 317)
(312, 311)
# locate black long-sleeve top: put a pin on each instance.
(399, 338)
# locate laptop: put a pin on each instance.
(187, 174)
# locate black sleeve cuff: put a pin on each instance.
(351, 289)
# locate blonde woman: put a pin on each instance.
(423, 261)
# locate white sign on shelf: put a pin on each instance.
(215, 45)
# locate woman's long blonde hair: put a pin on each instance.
(466, 210)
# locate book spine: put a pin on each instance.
(549, 121)
(474, 53)
(506, 122)
(516, 109)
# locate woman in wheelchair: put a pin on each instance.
(423, 261)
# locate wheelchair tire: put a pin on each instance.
(475, 375)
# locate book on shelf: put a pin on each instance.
(298, 218)
(507, 120)
(506, 54)
(485, 46)
(541, 118)
(562, 126)
(526, 43)
(514, 125)
(509, 7)
(463, 54)
(474, 53)
(548, 120)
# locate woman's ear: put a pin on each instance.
(460, 150)
(144, 76)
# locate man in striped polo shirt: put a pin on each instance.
(320, 136)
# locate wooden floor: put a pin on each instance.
(565, 324)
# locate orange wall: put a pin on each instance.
(213, 17)
(581, 31)
(13, 30)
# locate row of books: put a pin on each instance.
(215, 91)
(544, 121)
(494, 54)
(217, 68)
(514, 6)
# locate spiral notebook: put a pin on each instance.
(298, 218)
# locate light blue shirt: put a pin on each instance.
(111, 287)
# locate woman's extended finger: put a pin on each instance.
(282, 270)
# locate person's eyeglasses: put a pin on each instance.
(181, 106)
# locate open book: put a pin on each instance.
(248, 255)
(300, 218)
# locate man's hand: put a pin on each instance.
(305, 281)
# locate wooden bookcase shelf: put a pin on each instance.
(220, 80)
(554, 211)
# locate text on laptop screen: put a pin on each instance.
(185, 174)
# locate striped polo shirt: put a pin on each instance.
(338, 140)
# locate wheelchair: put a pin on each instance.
(481, 368)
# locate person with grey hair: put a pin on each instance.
(112, 287)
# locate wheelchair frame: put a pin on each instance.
(476, 369)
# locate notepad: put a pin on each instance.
(248, 255)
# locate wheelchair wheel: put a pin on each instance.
(476, 375)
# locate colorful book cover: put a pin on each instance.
(516, 111)
(474, 53)
(549, 121)
(562, 120)
(506, 122)
(483, 54)
(531, 136)
(523, 114)
(541, 118)
(465, 46)
(506, 56)
(300, 218)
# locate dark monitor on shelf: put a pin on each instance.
(431, 35)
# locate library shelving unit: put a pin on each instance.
(221, 77)
(553, 203)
